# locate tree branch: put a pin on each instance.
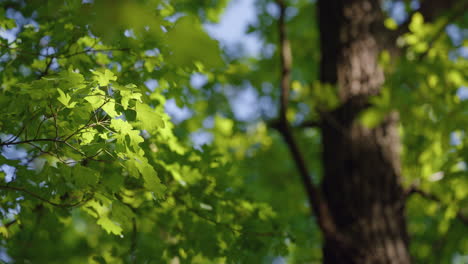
(64, 55)
(9, 143)
(430, 10)
(276, 124)
(47, 68)
(7, 225)
(310, 124)
(225, 225)
(19, 189)
(453, 16)
(87, 125)
(92, 51)
(413, 189)
(317, 204)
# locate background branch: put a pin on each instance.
(13, 188)
(310, 124)
(317, 204)
(432, 197)
(431, 10)
(453, 17)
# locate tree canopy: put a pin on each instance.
(95, 170)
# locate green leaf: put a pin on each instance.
(109, 107)
(127, 96)
(87, 136)
(96, 98)
(372, 117)
(84, 176)
(65, 99)
(103, 78)
(190, 44)
(126, 137)
(121, 213)
(70, 79)
(110, 226)
(417, 22)
(391, 24)
(121, 126)
(149, 175)
(151, 179)
(148, 117)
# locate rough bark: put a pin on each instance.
(361, 183)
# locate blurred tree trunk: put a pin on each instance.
(361, 184)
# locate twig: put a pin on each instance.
(7, 225)
(64, 56)
(31, 140)
(413, 189)
(41, 151)
(309, 124)
(225, 225)
(44, 199)
(92, 50)
(454, 16)
(47, 68)
(13, 138)
(54, 116)
(87, 123)
(74, 148)
(276, 124)
(39, 127)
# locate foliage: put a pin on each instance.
(95, 171)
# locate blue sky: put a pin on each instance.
(230, 31)
(234, 21)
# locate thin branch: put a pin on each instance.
(310, 124)
(41, 151)
(7, 225)
(414, 189)
(226, 225)
(13, 138)
(454, 16)
(286, 62)
(39, 127)
(276, 124)
(95, 155)
(54, 115)
(31, 140)
(241, 231)
(47, 68)
(87, 125)
(92, 51)
(318, 205)
(63, 55)
(430, 10)
(19, 189)
(74, 148)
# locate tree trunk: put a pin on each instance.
(361, 183)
